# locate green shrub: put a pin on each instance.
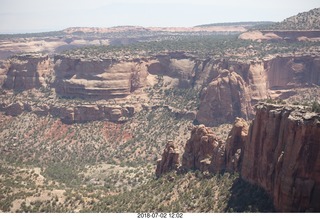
(315, 107)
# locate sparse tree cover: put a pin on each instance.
(101, 166)
(309, 20)
(201, 47)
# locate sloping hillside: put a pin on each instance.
(309, 20)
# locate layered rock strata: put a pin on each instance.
(229, 88)
(73, 114)
(101, 78)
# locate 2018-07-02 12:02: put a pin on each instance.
(160, 215)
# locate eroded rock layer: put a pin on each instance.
(104, 79)
(169, 160)
(27, 72)
(73, 113)
(203, 151)
(229, 89)
(282, 155)
(225, 98)
(279, 152)
(235, 145)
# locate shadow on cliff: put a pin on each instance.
(246, 197)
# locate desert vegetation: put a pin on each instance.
(48, 164)
(199, 46)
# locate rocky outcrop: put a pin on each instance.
(100, 78)
(259, 36)
(279, 152)
(225, 98)
(235, 145)
(282, 155)
(72, 114)
(169, 160)
(203, 151)
(27, 72)
(86, 113)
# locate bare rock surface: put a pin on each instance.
(104, 79)
(235, 145)
(282, 155)
(225, 98)
(27, 72)
(203, 151)
(169, 160)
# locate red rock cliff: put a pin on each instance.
(235, 145)
(225, 98)
(282, 155)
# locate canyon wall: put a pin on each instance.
(279, 151)
(288, 72)
(103, 79)
(234, 87)
(229, 89)
(282, 155)
(27, 72)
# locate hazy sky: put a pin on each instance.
(19, 16)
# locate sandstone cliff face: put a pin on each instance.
(27, 72)
(104, 79)
(225, 98)
(230, 88)
(234, 87)
(235, 145)
(279, 152)
(175, 65)
(282, 155)
(169, 160)
(287, 72)
(203, 151)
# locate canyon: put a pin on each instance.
(228, 89)
(211, 118)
